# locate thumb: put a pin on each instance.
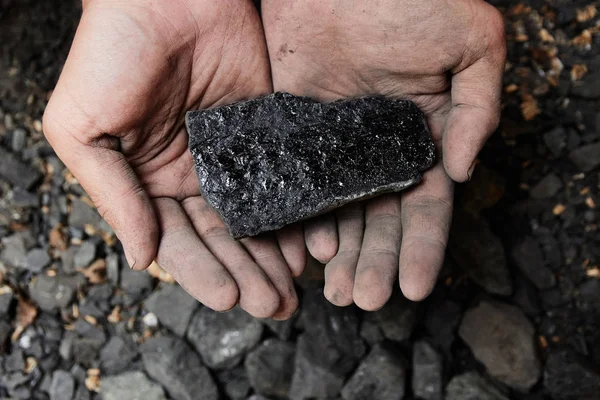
(112, 184)
(475, 113)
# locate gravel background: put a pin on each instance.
(515, 315)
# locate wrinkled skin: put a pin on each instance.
(448, 57)
(116, 118)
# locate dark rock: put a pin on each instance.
(471, 386)
(269, 367)
(63, 386)
(222, 339)
(556, 140)
(36, 260)
(116, 355)
(173, 307)
(67, 258)
(82, 214)
(66, 345)
(172, 363)
(15, 361)
(51, 292)
(24, 199)
(16, 172)
(283, 329)
(5, 330)
(370, 331)
(528, 256)
(136, 284)
(131, 385)
(238, 154)
(235, 383)
(6, 302)
(397, 318)
(13, 380)
(381, 375)
(83, 394)
(589, 87)
(313, 377)
(480, 253)
(547, 187)
(586, 158)
(589, 292)
(441, 320)
(85, 254)
(15, 249)
(79, 373)
(569, 376)
(502, 338)
(427, 378)
(85, 350)
(526, 297)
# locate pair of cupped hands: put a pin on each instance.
(116, 119)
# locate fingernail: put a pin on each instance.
(471, 169)
(130, 259)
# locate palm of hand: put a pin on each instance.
(434, 52)
(116, 119)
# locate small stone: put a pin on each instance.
(15, 361)
(5, 330)
(502, 338)
(112, 268)
(471, 386)
(116, 355)
(586, 158)
(131, 385)
(63, 386)
(82, 214)
(83, 394)
(588, 88)
(18, 140)
(51, 292)
(222, 339)
(269, 367)
(173, 307)
(172, 363)
(427, 376)
(480, 253)
(325, 146)
(398, 318)
(547, 187)
(36, 260)
(441, 319)
(313, 378)
(526, 297)
(24, 199)
(16, 172)
(381, 376)
(528, 256)
(283, 329)
(569, 376)
(66, 345)
(136, 284)
(370, 331)
(13, 380)
(6, 302)
(67, 258)
(85, 255)
(556, 140)
(14, 250)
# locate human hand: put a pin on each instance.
(116, 118)
(448, 57)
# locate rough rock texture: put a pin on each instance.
(172, 363)
(173, 307)
(380, 376)
(529, 258)
(471, 386)
(222, 339)
(268, 162)
(502, 338)
(427, 375)
(268, 368)
(132, 385)
(569, 376)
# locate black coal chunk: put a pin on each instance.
(268, 162)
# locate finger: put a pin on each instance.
(426, 218)
(267, 255)
(113, 187)
(378, 262)
(291, 243)
(186, 258)
(340, 271)
(258, 296)
(321, 237)
(476, 92)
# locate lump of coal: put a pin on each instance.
(269, 162)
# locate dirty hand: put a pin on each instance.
(448, 57)
(116, 118)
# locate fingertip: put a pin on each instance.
(322, 238)
(228, 297)
(261, 303)
(416, 291)
(372, 289)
